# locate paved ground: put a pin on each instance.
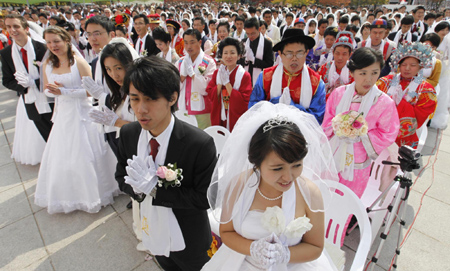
(31, 239)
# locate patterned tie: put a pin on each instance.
(24, 58)
(154, 148)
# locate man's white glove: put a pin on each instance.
(282, 254)
(224, 75)
(285, 96)
(3, 38)
(106, 117)
(249, 56)
(262, 252)
(24, 79)
(141, 174)
(94, 89)
(189, 69)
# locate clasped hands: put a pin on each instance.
(141, 174)
(24, 79)
(269, 251)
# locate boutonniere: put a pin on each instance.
(169, 175)
(201, 69)
(144, 52)
(37, 63)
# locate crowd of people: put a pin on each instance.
(310, 94)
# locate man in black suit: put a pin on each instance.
(157, 139)
(19, 78)
(418, 26)
(254, 61)
(404, 34)
(145, 45)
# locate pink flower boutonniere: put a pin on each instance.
(37, 63)
(169, 175)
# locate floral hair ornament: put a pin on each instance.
(344, 38)
(276, 122)
(422, 52)
(120, 19)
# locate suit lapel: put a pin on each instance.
(176, 146)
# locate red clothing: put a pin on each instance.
(412, 114)
(237, 102)
(295, 85)
(324, 73)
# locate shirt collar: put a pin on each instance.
(165, 135)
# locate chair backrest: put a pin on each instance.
(422, 134)
(344, 203)
(220, 135)
(186, 118)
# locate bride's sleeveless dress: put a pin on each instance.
(77, 168)
(251, 228)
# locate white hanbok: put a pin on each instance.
(77, 168)
(28, 144)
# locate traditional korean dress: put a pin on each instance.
(178, 44)
(413, 110)
(315, 104)
(334, 81)
(226, 109)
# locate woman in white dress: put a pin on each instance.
(269, 201)
(77, 168)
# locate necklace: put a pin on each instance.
(62, 62)
(267, 198)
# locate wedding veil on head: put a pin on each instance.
(234, 172)
(124, 41)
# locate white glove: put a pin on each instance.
(282, 254)
(24, 79)
(93, 88)
(262, 252)
(285, 96)
(106, 117)
(141, 174)
(3, 38)
(224, 76)
(250, 57)
(349, 140)
(190, 70)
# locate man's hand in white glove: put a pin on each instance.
(141, 174)
(24, 79)
(93, 88)
(250, 57)
(3, 38)
(285, 96)
(190, 70)
(282, 254)
(106, 117)
(262, 252)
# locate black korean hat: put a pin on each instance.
(294, 35)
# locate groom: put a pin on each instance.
(175, 223)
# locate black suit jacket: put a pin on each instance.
(267, 60)
(8, 69)
(150, 45)
(392, 35)
(194, 152)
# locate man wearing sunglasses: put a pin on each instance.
(292, 82)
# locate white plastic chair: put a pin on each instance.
(336, 215)
(220, 135)
(186, 118)
(372, 192)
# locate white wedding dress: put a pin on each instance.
(28, 144)
(77, 168)
(251, 228)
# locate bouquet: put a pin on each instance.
(350, 124)
(169, 175)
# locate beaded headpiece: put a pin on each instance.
(344, 38)
(276, 122)
(422, 52)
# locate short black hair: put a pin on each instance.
(364, 57)
(267, 11)
(146, 21)
(355, 18)
(187, 22)
(321, 22)
(160, 34)
(240, 18)
(233, 42)
(202, 21)
(343, 20)
(193, 32)
(252, 22)
(433, 38)
(430, 15)
(407, 20)
(104, 22)
(43, 15)
(442, 25)
(331, 31)
(155, 77)
(290, 14)
(417, 8)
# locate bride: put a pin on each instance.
(268, 200)
(77, 168)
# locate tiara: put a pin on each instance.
(418, 50)
(276, 122)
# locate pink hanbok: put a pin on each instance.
(383, 127)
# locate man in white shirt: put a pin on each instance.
(272, 31)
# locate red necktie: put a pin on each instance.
(140, 46)
(154, 148)
(401, 39)
(24, 57)
(415, 28)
